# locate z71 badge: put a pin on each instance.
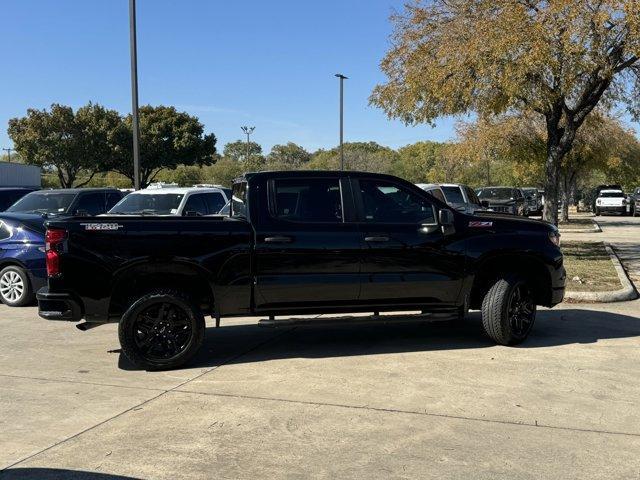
(101, 226)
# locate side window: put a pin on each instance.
(239, 200)
(4, 231)
(90, 204)
(112, 199)
(385, 202)
(471, 195)
(195, 204)
(215, 201)
(307, 200)
(438, 194)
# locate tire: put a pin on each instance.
(15, 288)
(597, 212)
(634, 212)
(161, 330)
(504, 322)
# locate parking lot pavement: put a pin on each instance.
(377, 401)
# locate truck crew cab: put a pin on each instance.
(303, 242)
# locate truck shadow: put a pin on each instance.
(58, 473)
(248, 343)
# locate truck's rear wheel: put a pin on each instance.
(161, 330)
(508, 310)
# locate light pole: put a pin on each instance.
(9, 150)
(248, 131)
(342, 79)
(134, 94)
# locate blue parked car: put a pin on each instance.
(22, 263)
(22, 254)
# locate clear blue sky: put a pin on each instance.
(231, 63)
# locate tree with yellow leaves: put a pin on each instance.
(557, 58)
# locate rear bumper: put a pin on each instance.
(58, 306)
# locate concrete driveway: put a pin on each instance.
(377, 401)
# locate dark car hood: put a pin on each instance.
(34, 221)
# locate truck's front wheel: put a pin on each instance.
(161, 330)
(508, 310)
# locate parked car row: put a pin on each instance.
(22, 230)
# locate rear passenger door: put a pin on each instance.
(307, 245)
(406, 258)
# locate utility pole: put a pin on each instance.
(342, 79)
(248, 131)
(134, 94)
(9, 150)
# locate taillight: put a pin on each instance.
(54, 240)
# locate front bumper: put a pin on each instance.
(58, 306)
(610, 208)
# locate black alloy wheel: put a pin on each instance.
(161, 330)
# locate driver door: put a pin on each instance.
(406, 258)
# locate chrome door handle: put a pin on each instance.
(277, 239)
(376, 239)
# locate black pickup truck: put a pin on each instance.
(298, 243)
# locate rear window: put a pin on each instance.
(307, 200)
(4, 231)
(453, 194)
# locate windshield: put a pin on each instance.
(532, 192)
(612, 194)
(44, 202)
(453, 194)
(497, 193)
(148, 204)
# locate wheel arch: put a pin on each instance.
(529, 266)
(137, 280)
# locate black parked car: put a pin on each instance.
(9, 196)
(68, 202)
(298, 243)
(503, 199)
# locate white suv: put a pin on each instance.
(612, 201)
(173, 201)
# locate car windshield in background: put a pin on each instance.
(453, 194)
(497, 193)
(51, 203)
(532, 192)
(612, 194)
(145, 204)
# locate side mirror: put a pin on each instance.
(445, 217)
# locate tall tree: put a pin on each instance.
(559, 58)
(419, 161)
(288, 157)
(66, 142)
(168, 138)
(364, 156)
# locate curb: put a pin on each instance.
(596, 229)
(627, 292)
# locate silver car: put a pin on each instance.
(460, 197)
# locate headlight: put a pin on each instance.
(554, 236)
(598, 202)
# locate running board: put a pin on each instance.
(273, 322)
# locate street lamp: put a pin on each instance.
(134, 94)
(342, 79)
(248, 131)
(9, 150)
